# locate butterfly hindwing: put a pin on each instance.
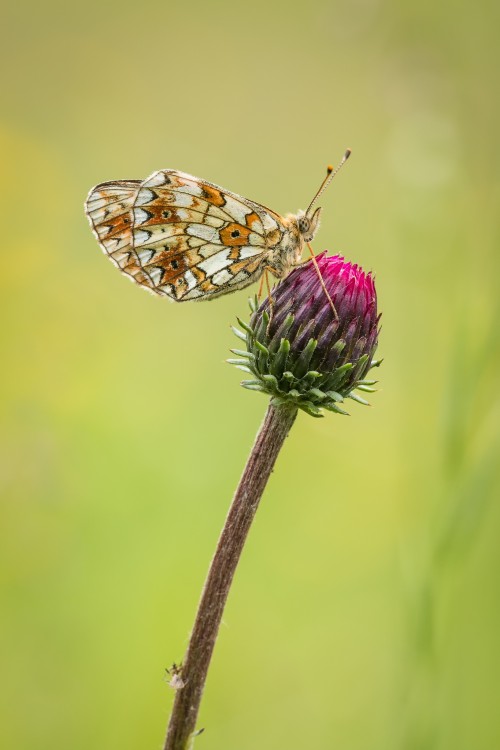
(109, 209)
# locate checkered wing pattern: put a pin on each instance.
(182, 237)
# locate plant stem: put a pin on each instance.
(270, 438)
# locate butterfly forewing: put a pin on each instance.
(195, 239)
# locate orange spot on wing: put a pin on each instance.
(249, 266)
(234, 235)
(213, 196)
(250, 218)
(207, 286)
(118, 225)
(173, 266)
(160, 215)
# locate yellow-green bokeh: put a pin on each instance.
(366, 611)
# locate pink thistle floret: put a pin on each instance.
(352, 292)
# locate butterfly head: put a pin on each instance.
(308, 224)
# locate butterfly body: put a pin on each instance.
(187, 239)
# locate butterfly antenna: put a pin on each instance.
(330, 174)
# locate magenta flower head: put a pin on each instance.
(313, 342)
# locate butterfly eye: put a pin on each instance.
(304, 224)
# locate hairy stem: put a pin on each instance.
(270, 438)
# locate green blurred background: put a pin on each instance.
(366, 611)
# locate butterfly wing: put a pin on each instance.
(195, 240)
(109, 208)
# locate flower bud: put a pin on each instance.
(311, 344)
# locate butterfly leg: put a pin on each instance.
(264, 279)
(261, 285)
(269, 296)
(321, 281)
(268, 290)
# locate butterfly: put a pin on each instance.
(184, 238)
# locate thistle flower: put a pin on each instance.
(308, 346)
(312, 343)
